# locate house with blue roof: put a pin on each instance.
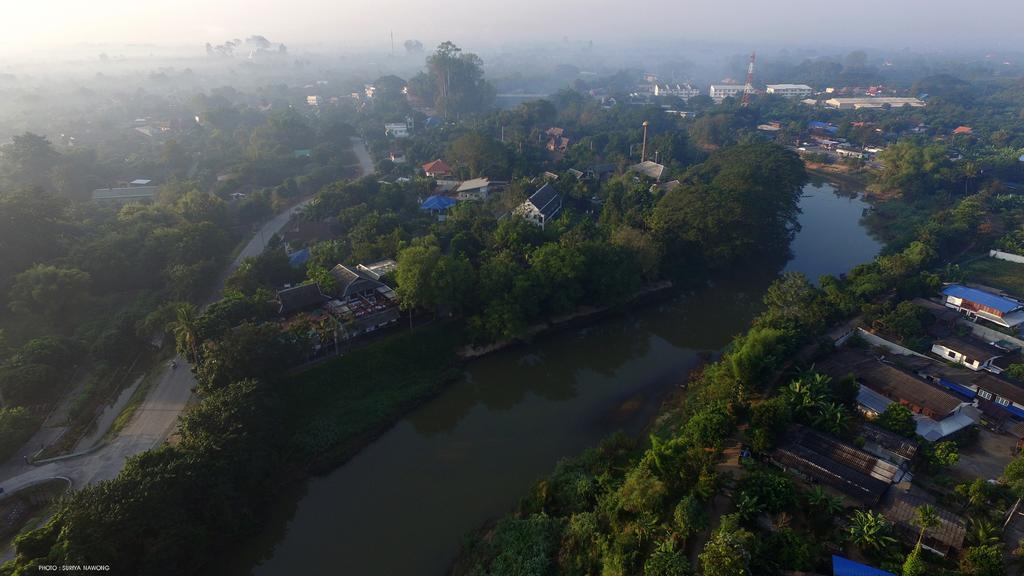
(846, 567)
(439, 205)
(982, 304)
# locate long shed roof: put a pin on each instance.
(994, 301)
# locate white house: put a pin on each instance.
(399, 129)
(475, 189)
(541, 207)
(974, 355)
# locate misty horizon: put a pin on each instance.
(944, 26)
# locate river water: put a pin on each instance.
(404, 504)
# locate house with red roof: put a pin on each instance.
(437, 169)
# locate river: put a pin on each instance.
(404, 504)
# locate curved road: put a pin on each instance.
(155, 419)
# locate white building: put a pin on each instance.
(313, 100)
(872, 102)
(684, 91)
(399, 129)
(789, 90)
(541, 207)
(848, 153)
(475, 189)
(720, 92)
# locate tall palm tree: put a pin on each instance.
(185, 330)
(870, 531)
(927, 518)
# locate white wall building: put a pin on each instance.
(789, 90)
(720, 92)
(684, 91)
(872, 102)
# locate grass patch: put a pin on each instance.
(335, 403)
(1008, 276)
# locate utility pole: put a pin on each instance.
(643, 151)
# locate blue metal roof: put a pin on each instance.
(1004, 305)
(846, 567)
(437, 203)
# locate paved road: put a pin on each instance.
(155, 419)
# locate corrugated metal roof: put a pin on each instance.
(1000, 303)
(846, 567)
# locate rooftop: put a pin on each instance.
(438, 203)
(946, 536)
(437, 167)
(474, 184)
(352, 282)
(846, 567)
(840, 465)
(788, 86)
(300, 298)
(1001, 303)
(970, 347)
(124, 193)
(648, 168)
(889, 381)
(545, 199)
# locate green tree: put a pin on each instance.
(983, 561)
(16, 426)
(30, 157)
(454, 82)
(899, 419)
(184, 327)
(667, 560)
(415, 276)
(727, 552)
(870, 532)
(1015, 371)
(51, 291)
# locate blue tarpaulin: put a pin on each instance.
(816, 125)
(298, 258)
(846, 567)
(437, 203)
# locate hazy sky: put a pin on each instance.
(919, 24)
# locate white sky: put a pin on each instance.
(919, 24)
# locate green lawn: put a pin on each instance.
(333, 404)
(1008, 276)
